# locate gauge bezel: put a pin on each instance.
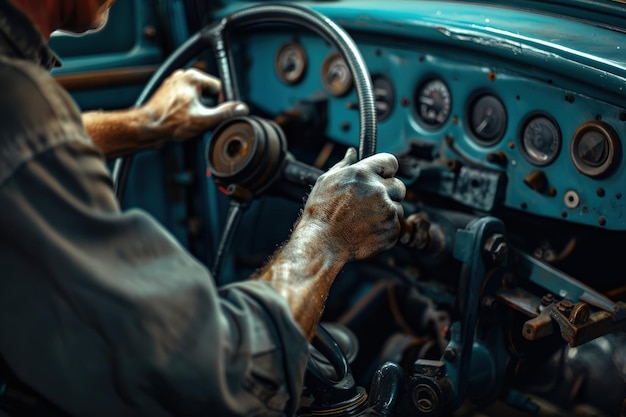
(282, 75)
(417, 92)
(469, 112)
(524, 125)
(614, 152)
(336, 90)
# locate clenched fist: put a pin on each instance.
(356, 206)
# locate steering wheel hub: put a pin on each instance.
(248, 151)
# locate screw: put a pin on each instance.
(565, 307)
(547, 299)
(497, 247)
(150, 32)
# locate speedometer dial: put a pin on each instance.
(290, 63)
(433, 103)
(336, 76)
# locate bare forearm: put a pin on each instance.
(303, 271)
(118, 133)
(175, 111)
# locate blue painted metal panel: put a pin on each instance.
(535, 63)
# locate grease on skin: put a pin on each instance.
(303, 271)
(352, 213)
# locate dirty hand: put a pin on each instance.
(355, 206)
(175, 110)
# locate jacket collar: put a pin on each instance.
(20, 38)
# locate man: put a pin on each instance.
(102, 312)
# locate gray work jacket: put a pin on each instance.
(103, 312)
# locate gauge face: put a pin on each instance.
(595, 149)
(487, 119)
(433, 103)
(336, 76)
(384, 96)
(290, 63)
(541, 139)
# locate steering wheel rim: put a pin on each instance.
(216, 36)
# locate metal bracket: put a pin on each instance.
(480, 246)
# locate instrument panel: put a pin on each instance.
(495, 133)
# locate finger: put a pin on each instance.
(395, 188)
(206, 82)
(399, 210)
(349, 158)
(383, 164)
(224, 111)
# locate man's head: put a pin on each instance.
(76, 16)
(79, 16)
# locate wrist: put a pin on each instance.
(147, 127)
(315, 236)
(121, 132)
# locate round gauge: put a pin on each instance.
(290, 63)
(336, 76)
(487, 119)
(595, 149)
(541, 139)
(433, 103)
(384, 96)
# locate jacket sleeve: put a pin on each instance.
(103, 313)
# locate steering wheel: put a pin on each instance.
(246, 174)
(216, 36)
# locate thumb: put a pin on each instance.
(349, 158)
(225, 111)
